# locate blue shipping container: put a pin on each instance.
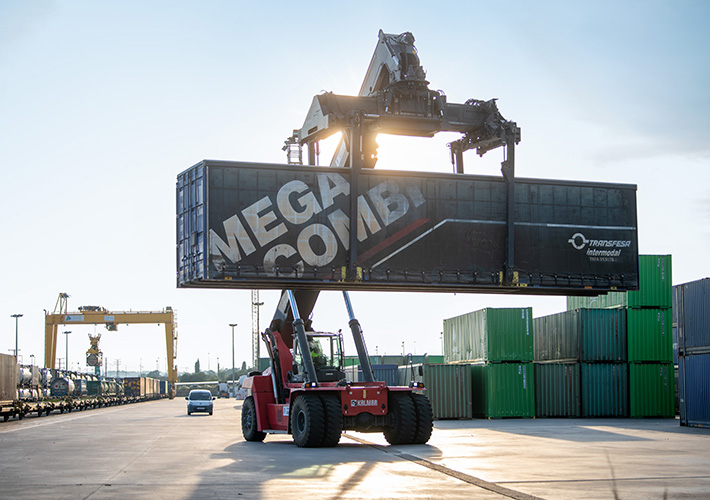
(694, 390)
(692, 309)
(383, 373)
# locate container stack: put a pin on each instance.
(581, 364)
(692, 307)
(497, 344)
(648, 310)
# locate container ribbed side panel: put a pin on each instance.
(651, 390)
(503, 390)
(383, 373)
(582, 334)
(692, 304)
(655, 288)
(8, 377)
(448, 388)
(556, 337)
(694, 390)
(489, 335)
(557, 390)
(605, 390)
(650, 333)
(602, 335)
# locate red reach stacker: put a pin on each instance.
(304, 391)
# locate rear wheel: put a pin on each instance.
(333, 419)
(425, 418)
(403, 423)
(249, 429)
(308, 421)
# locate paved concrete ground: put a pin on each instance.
(154, 450)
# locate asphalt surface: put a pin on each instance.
(155, 450)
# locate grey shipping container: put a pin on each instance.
(557, 390)
(692, 310)
(605, 389)
(491, 334)
(8, 378)
(254, 225)
(448, 388)
(694, 390)
(582, 335)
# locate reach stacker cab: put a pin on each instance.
(304, 391)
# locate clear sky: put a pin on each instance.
(102, 104)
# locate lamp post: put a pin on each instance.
(234, 387)
(66, 354)
(17, 317)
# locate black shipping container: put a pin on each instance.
(250, 225)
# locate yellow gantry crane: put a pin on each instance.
(95, 315)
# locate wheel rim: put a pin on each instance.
(301, 422)
(248, 417)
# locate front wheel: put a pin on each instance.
(249, 428)
(308, 421)
(425, 418)
(403, 419)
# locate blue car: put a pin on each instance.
(200, 400)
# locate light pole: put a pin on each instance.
(234, 387)
(66, 354)
(17, 317)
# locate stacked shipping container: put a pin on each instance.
(497, 344)
(692, 307)
(581, 357)
(649, 332)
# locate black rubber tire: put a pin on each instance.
(308, 421)
(403, 419)
(249, 429)
(333, 419)
(425, 418)
(189, 412)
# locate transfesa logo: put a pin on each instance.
(599, 250)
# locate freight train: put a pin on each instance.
(26, 390)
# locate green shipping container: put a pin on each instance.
(650, 333)
(93, 388)
(503, 390)
(605, 390)
(557, 387)
(448, 388)
(655, 288)
(652, 390)
(490, 335)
